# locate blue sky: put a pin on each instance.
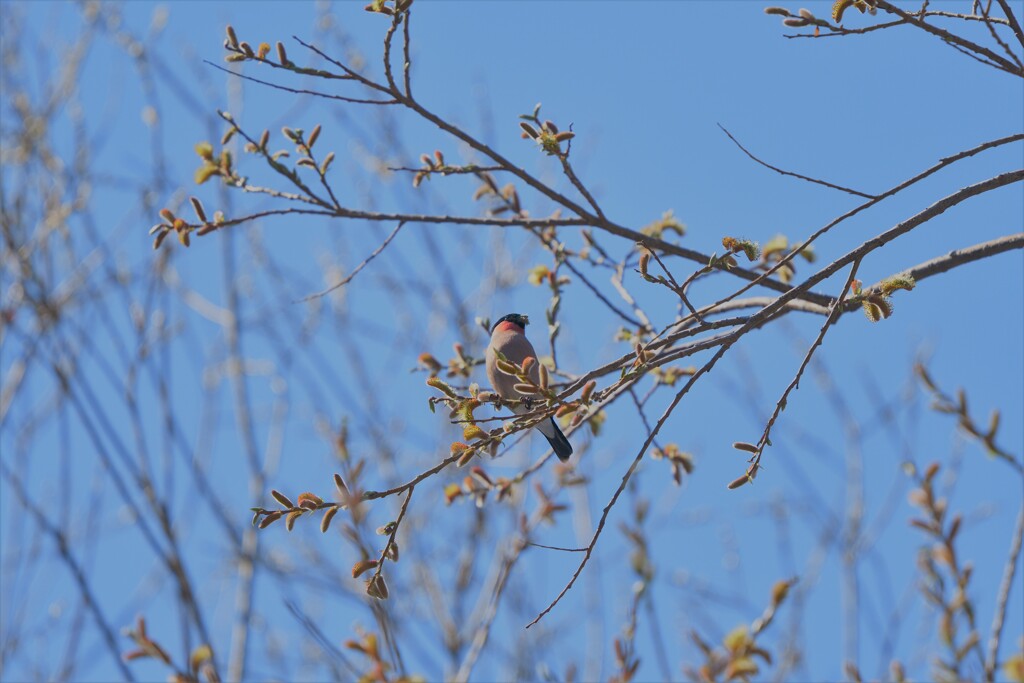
(645, 85)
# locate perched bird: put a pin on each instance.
(508, 337)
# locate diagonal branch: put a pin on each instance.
(790, 173)
(951, 38)
(344, 281)
(625, 480)
(956, 258)
(991, 658)
(1011, 19)
(833, 315)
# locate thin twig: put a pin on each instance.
(394, 532)
(1011, 19)
(942, 163)
(790, 173)
(79, 575)
(625, 480)
(347, 279)
(951, 38)
(555, 547)
(298, 91)
(1005, 586)
(833, 315)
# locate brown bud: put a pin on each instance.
(289, 521)
(528, 129)
(507, 368)
(232, 38)
(310, 501)
(282, 499)
(339, 483)
(325, 523)
(378, 588)
(588, 391)
(739, 481)
(391, 552)
(645, 261)
(326, 163)
(314, 134)
(480, 476)
(270, 519)
(282, 56)
(361, 567)
(197, 206)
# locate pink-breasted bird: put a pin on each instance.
(508, 337)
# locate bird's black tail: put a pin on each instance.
(560, 444)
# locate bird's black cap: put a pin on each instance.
(514, 318)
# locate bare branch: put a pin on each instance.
(790, 173)
(348, 278)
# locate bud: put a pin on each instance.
(507, 367)
(197, 206)
(528, 129)
(645, 260)
(326, 163)
(739, 481)
(314, 134)
(361, 567)
(325, 523)
(270, 519)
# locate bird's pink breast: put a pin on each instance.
(508, 326)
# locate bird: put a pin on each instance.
(508, 337)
